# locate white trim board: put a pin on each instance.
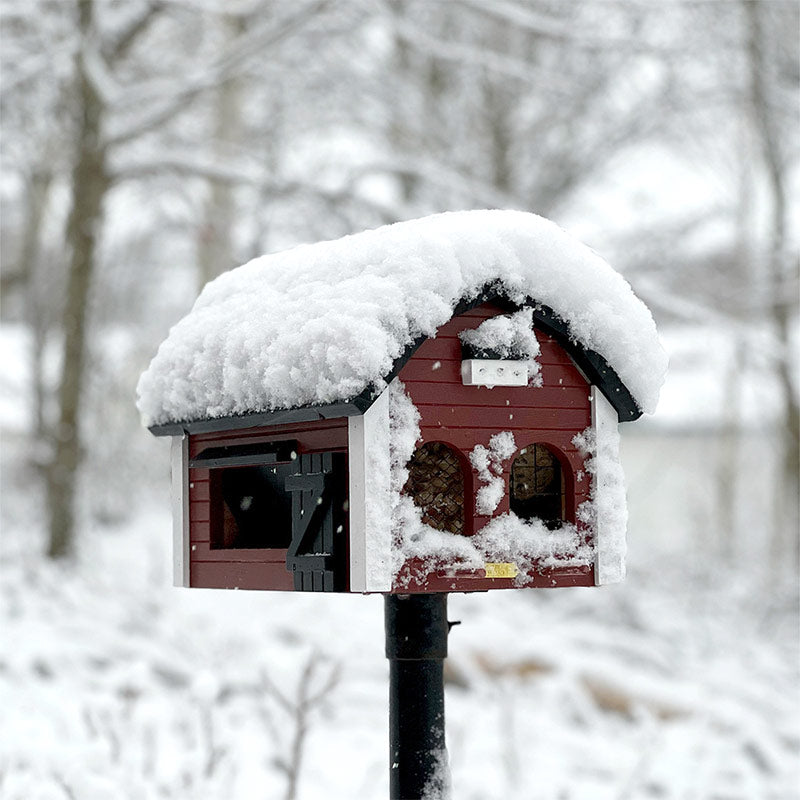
(179, 458)
(370, 500)
(610, 532)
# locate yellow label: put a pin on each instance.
(501, 570)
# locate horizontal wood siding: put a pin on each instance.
(242, 575)
(245, 568)
(464, 416)
(442, 581)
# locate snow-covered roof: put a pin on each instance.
(322, 323)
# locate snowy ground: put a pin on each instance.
(678, 684)
(681, 683)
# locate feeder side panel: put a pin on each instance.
(246, 568)
(465, 416)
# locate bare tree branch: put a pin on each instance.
(473, 55)
(127, 38)
(245, 47)
(523, 19)
(312, 690)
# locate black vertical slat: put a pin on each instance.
(316, 467)
(327, 523)
(307, 469)
(339, 516)
(296, 508)
(317, 554)
(310, 468)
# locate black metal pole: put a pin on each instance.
(416, 646)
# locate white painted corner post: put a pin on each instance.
(610, 544)
(180, 510)
(370, 498)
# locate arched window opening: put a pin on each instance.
(436, 485)
(537, 486)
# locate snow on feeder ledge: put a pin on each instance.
(430, 406)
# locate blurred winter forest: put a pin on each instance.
(149, 145)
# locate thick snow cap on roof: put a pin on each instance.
(321, 323)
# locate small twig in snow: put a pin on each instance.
(312, 690)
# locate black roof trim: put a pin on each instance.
(246, 455)
(259, 419)
(596, 369)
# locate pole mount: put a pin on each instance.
(416, 646)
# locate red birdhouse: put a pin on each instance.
(428, 407)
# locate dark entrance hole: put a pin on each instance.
(537, 486)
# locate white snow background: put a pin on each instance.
(680, 683)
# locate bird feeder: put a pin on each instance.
(428, 407)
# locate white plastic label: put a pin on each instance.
(486, 372)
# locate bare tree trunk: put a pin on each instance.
(402, 113)
(499, 104)
(729, 457)
(90, 181)
(20, 275)
(271, 159)
(215, 246)
(787, 544)
(36, 313)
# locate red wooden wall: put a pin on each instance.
(246, 568)
(460, 416)
(464, 416)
